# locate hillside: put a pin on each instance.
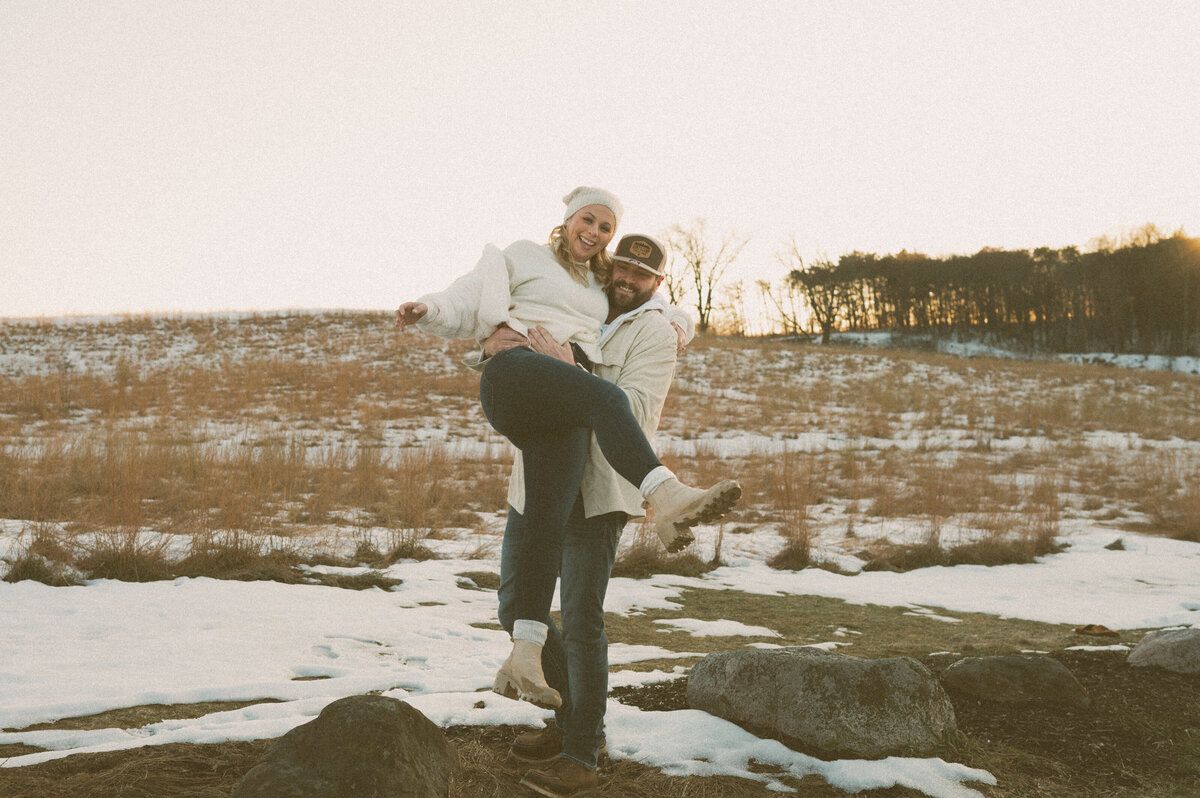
(897, 503)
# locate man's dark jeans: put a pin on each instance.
(575, 660)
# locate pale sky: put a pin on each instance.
(253, 155)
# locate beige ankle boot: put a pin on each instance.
(677, 508)
(521, 677)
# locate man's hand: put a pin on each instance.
(541, 341)
(410, 313)
(501, 340)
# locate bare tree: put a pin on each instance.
(701, 265)
(676, 283)
(821, 286)
(732, 311)
(788, 302)
(826, 294)
(1140, 236)
(785, 304)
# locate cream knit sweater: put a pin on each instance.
(521, 287)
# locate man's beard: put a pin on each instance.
(625, 303)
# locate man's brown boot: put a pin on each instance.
(538, 747)
(562, 778)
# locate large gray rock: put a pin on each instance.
(1176, 650)
(362, 746)
(827, 704)
(1014, 679)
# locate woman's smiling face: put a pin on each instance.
(589, 231)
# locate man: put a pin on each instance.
(639, 349)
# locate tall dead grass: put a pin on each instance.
(643, 556)
(179, 479)
(1169, 494)
(793, 492)
(117, 483)
(276, 425)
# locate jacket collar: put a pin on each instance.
(655, 302)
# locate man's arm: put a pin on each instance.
(502, 339)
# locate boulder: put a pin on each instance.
(1175, 650)
(1014, 679)
(366, 746)
(827, 704)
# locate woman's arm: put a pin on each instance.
(473, 306)
(410, 313)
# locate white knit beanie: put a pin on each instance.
(587, 195)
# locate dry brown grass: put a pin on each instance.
(286, 424)
(125, 555)
(792, 492)
(29, 566)
(987, 404)
(1006, 546)
(1168, 492)
(643, 556)
(118, 483)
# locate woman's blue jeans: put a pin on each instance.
(548, 409)
(575, 661)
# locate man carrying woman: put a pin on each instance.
(557, 297)
(638, 346)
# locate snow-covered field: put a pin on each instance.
(81, 650)
(73, 651)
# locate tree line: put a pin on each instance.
(1140, 294)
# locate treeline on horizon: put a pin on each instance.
(1141, 297)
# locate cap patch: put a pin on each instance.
(640, 249)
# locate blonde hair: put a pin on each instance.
(599, 264)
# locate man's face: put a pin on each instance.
(631, 286)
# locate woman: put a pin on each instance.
(555, 293)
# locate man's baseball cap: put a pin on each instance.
(644, 251)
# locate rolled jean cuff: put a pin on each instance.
(652, 480)
(592, 765)
(533, 631)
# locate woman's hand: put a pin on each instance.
(680, 339)
(541, 341)
(410, 313)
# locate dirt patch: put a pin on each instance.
(866, 630)
(144, 715)
(1140, 736)
(212, 771)
(159, 771)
